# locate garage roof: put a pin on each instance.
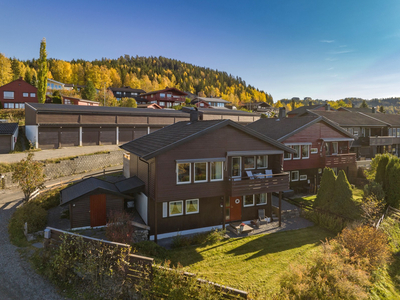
(8, 128)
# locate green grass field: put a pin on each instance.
(254, 263)
(309, 200)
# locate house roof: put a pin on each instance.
(92, 184)
(216, 100)
(391, 119)
(208, 111)
(57, 108)
(281, 129)
(357, 109)
(127, 89)
(49, 79)
(8, 128)
(169, 137)
(83, 100)
(19, 79)
(347, 119)
(302, 109)
(166, 90)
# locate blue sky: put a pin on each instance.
(319, 49)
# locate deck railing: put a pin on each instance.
(340, 159)
(259, 184)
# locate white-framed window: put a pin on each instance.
(169, 104)
(67, 101)
(118, 93)
(134, 94)
(294, 176)
(305, 151)
(162, 103)
(20, 105)
(262, 161)
(249, 162)
(200, 172)
(248, 200)
(25, 95)
(297, 154)
(314, 150)
(33, 95)
(303, 177)
(398, 132)
(287, 155)
(175, 208)
(176, 96)
(183, 173)
(356, 132)
(216, 170)
(162, 95)
(169, 95)
(236, 166)
(334, 147)
(165, 209)
(8, 95)
(8, 105)
(261, 199)
(192, 206)
(151, 96)
(202, 104)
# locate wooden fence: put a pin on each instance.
(140, 267)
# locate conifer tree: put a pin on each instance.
(15, 68)
(326, 190)
(89, 92)
(392, 183)
(343, 202)
(43, 70)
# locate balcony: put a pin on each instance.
(340, 159)
(379, 140)
(260, 184)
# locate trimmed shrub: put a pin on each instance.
(343, 202)
(392, 187)
(326, 189)
(381, 161)
(374, 189)
(332, 223)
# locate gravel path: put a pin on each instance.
(18, 281)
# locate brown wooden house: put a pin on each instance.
(318, 143)
(201, 174)
(165, 98)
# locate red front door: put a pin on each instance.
(235, 209)
(98, 213)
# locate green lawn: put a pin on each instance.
(309, 200)
(254, 263)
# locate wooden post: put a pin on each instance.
(223, 211)
(280, 208)
(155, 221)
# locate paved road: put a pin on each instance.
(57, 153)
(18, 281)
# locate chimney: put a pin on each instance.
(282, 113)
(373, 109)
(194, 115)
(327, 106)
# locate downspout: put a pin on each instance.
(148, 193)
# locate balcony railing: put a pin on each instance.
(340, 159)
(260, 184)
(379, 140)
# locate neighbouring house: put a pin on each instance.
(261, 107)
(310, 107)
(152, 105)
(210, 101)
(15, 93)
(126, 92)
(8, 137)
(49, 126)
(318, 143)
(91, 200)
(76, 101)
(201, 175)
(166, 98)
(54, 85)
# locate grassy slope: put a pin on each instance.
(254, 263)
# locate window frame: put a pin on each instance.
(314, 150)
(8, 97)
(333, 148)
(308, 152)
(194, 175)
(303, 177)
(177, 174)
(25, 95)
(261, 203)
(261, 157)
(298, 152)
(222, 171)
(32, 95)
(169, 208)
(291, 176)
(254, 162)
(186, 206)
(244, 201)
(240, 167)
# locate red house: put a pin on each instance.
(318, 143)
(77, 101)
(166, 98)
(16, 93)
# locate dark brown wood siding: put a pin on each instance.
(69, 137)
(48, 137)
(30, 116)
(5, 144)
(114, 203)
(125, 134)
(108, 136)
(58, 118)
(90, 136)
(211, 145)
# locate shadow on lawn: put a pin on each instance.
(278, 242)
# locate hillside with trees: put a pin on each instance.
(147, 73)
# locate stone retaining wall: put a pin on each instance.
(76, 165)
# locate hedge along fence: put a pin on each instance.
(141, 269)
(74, 165)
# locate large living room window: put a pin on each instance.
(200, 172)
(8, 95)
(183, 171)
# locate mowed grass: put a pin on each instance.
(253, 264)
(309, 200)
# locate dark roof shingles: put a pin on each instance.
(8, 128)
